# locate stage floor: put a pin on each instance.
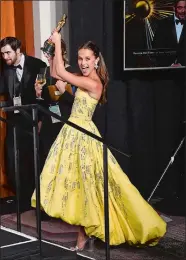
(15, 245)
(171, 247)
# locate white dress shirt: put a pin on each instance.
(179, 28)
(19, 71)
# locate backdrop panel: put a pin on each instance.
(144, 109)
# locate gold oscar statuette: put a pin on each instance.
(49, 46)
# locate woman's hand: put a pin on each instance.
(55, 37)
(61, 86)
(55, 30)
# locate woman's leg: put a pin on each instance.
(82, 238)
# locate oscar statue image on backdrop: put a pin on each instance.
(154, 34)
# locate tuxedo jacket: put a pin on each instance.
(32, 67)
(165, 38)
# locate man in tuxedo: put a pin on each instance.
(170, 34)
(19, 74)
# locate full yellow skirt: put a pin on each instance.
(72, 188)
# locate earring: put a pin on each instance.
(96, 66)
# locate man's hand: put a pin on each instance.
(39, 126)
(176, 65)
(61, 86)
(38, 89)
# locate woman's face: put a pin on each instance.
(86, 61)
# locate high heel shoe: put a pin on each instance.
(89, 241)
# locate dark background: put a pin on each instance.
(145, 109)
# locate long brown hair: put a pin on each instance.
(101, 69)
(64, 51)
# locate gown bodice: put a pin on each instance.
(83, 106)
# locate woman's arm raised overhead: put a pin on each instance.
(53, 70)
(80, 81)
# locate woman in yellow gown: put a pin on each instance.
(72, 177)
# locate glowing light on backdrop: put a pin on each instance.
(149, 11)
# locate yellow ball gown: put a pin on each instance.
(72, 185)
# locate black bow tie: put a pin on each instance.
(18, 67)
(179, 21)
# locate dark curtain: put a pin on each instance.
(145, 109)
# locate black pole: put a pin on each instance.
(36, 171)
(184, 105)
(106, 201)
(105, 151)
(17, 178)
